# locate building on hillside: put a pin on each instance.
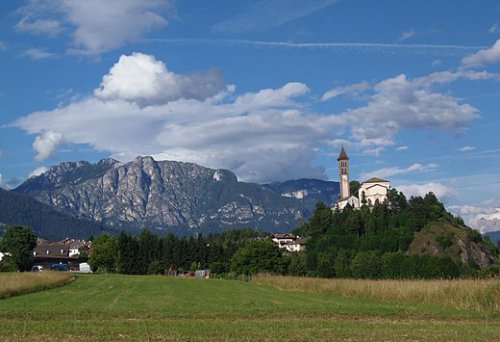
(289, 242)
(372, 191)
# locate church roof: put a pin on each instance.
(376, 180)
(343, 155)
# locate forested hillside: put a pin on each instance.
(46, 222)
(414, 238)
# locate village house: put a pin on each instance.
(67, 251)
(289, 242)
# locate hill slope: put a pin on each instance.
(46, 222)
(461, 244)
(170, 197)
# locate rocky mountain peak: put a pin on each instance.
(169, 196)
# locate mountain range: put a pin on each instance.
(169, 196)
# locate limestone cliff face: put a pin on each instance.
(165, 195)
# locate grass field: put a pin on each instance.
(469, 294)
(14, 284)
(154, 308)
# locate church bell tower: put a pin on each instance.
(343, 160)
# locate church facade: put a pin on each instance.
(371, 192)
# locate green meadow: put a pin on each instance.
(158, 308)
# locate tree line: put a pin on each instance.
(239, 251)
(366, 243)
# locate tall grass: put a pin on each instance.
(477, 295)
(13, 284)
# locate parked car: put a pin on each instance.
(59, 267)
(37, 268)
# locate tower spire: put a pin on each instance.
(343, 160)
(342, 154)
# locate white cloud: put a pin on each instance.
(146, 81)
(394, 171)
(46, 143)
(494, 28)
(407, 35)
(38, 171)
(467, 148)
(402, 148)
(265, 135)
(3, 46)
(442, 191)
(95, 25)
(39, 26)
(353, 89)
(444, 77)
(400, 103)
(37, 54)
(484, 218)
(483, 57)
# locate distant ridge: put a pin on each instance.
(169, 196)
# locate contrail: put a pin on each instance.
(322, 45)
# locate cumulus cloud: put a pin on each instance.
(38, 171)
(142, 108)
(483, 57)
(483, 218)
(394, 171)
(95, 25)
(143, 79)
(46, 143)
(442, 191)
(399, 103)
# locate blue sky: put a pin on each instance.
(269, 89)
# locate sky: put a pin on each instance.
(269, 89)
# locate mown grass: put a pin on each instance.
(13, 284)
(155, 308)
(478, 295)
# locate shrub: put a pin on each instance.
(366, 265)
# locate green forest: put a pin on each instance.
(366, 243)
(375, 243)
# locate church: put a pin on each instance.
(371, 192)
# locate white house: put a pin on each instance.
(290, 242)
